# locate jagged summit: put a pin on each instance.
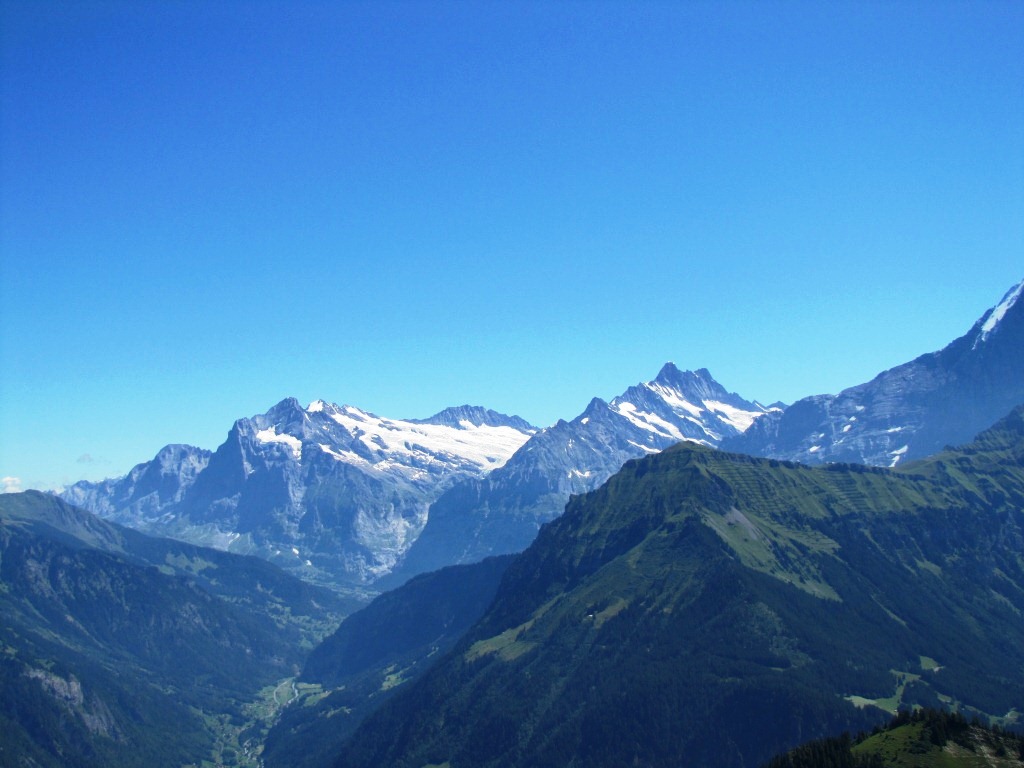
(594, 407)
(177, 451)
(696, 385)
(670, 372)
(286, 405)
(687, 405)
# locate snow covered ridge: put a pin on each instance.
(486, 446)
(466, 439)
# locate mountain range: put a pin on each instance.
(339, 495)
(502, 511)
(713, 609)
(675, 602)
(345, 497)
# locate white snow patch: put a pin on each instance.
(649, 422)
(354, 413)
(585, 420)
(730, 414)
(674, 399)
(847, 428)
(893, 429)
(898, 454)
(270, 435)
(814, 449)
(646, 448)
(295, 550)
(316, 406)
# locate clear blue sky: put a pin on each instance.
(207, 207)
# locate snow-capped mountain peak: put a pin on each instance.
(467, 439)
(686, 405)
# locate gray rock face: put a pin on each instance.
(147, 490)
(502, 512)
(911, 411)
(332, 492)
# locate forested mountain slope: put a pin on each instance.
(374, 654)
(122, 650)
(924, 738)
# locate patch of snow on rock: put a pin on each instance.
(270, 435)
(735, 416)
(998, 313)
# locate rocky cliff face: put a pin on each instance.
(148, 489)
